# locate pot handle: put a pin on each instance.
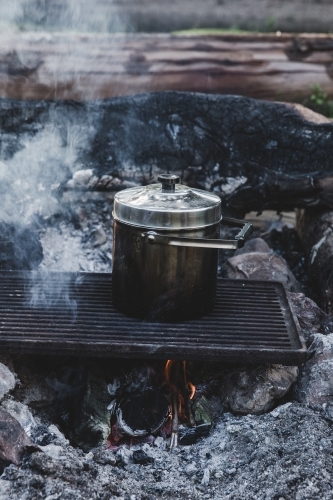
(164, 239)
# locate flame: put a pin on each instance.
(192, 389)
(169, 378)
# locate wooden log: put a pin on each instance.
(88, 66)
(256, 155)
(315, 228)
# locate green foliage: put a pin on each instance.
(319, 101)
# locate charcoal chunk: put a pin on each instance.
(140, 457)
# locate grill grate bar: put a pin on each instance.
(252, 321)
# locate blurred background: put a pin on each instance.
(173, 15)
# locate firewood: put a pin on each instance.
(256, 155)
(89, 66)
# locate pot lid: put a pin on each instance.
(167, 205)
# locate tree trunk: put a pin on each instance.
(88, 66)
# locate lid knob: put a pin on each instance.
(169, 182)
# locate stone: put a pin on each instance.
(34, 391)
(53, 429)
(254, 245)
(260, 266)
(124, 455)
(311, 318)
(255, 390)
(160, 442)
(7, 380)
(104, 457)
(315, 384)
(53, 450)
(14, 442)
(22, 414)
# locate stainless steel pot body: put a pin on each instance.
(160, 282)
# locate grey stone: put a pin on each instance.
(124, 455)
(311, 318)
(7, 380)
(53, 450)
(315, 384)
(255, 390)
(260, 266)
(254, 245)
(34, 391)
(22, 414)
(14, 442)
(104, 457)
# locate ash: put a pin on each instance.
(286, 454)
(282, 452)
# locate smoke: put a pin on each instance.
(53, 291)
(99, 16)
(35, 162)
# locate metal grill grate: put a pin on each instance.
(252, 322)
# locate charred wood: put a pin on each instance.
(256, 155)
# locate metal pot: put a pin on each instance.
(165, 250)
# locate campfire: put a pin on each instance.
(104, 394)
(167, 411)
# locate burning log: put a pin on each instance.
(75, 66)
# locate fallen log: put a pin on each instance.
(315, 228)
(256, 155)
(35, 65)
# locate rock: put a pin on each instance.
(315, 384)
(7, 380)
(53, 429)
(254, 390)
(22, 414)
(20, 247)
(254, 245)
(260, 266)
(53, 450)
(141, 458)
(160, 442)
(311, 318)
(14, 442)
(124, 455)
(277, 412)
(34, 391)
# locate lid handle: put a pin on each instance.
(169, 182)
